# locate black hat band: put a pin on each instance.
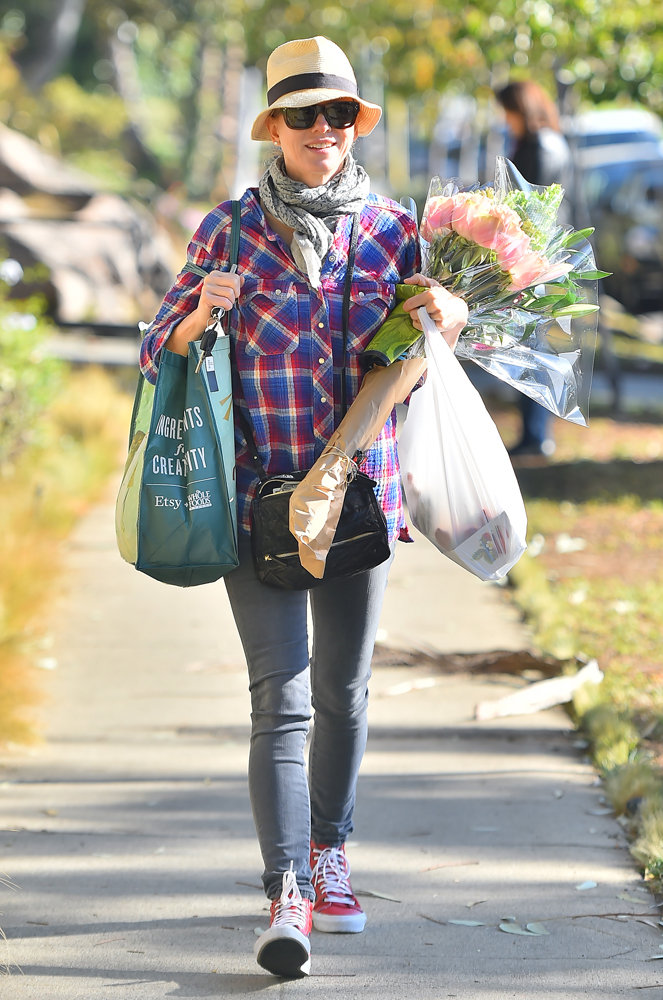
(310, 81)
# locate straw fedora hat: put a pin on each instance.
(309, 71)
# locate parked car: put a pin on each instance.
(630, 240)
(618, 156)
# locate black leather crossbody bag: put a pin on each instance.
(361, 541)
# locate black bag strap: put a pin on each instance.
(251, 444)
(211, 331)
(235, 226)
(352, 251)
(233, 257)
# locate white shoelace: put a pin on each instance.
(291, 907)
(332, 875)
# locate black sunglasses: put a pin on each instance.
(338, 114)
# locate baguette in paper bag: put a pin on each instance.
(316, 503)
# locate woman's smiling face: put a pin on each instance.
(313, 155)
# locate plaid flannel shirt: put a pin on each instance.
(286, 337)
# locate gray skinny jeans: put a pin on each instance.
(273, 629)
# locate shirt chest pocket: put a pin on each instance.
(270, 318)
(370, 304)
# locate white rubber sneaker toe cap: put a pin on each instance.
(284, 951)
(350, 923)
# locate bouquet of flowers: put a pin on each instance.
(531, 288)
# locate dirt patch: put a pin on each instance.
(496, 662)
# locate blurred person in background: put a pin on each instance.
(285, 307)
(542, 155)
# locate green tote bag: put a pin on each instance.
(175, 517)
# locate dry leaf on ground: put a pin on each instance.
(516, 929)
(537, 928)
(629, 899)
(377, 895)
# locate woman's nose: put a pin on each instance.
(321, 124)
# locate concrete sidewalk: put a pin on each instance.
(130, 835)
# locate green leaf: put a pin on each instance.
(576, 309)
(589, 275)
(547, 300)
(576, 236)
(569, 299)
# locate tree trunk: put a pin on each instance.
(51, 37)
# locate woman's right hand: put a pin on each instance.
(220, 288)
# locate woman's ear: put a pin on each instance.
(273, 129)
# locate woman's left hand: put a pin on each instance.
(448, 312)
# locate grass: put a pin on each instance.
(591, 586)
(75, 445)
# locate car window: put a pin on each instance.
(641, 193)
(600, 184)
(613, 138)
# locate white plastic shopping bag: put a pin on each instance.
(461, 490)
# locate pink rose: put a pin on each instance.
(471, 218)
(491, 225)
(510, 247)
(529, 270)
(438, 216)
(510, 220)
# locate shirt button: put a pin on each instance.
(332, 257)
(321, 326)
(361, 295)
(278, 291)
(321, 361)
(323, 399)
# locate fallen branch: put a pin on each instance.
(578, 916)
(448, 864)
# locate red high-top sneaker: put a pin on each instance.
(336, 910)
(284, 949)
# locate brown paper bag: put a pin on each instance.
(316, 503)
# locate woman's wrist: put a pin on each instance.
(188, 329)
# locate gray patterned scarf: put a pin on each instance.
(313, 212)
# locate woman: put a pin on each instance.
(285, 325)
(542, 155)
